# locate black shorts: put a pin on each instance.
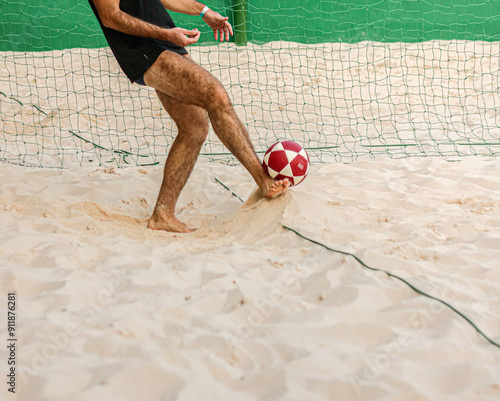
(135, 62)
(135, 54)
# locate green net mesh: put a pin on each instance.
(348, 80)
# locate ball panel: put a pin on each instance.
(272, 173)
(298, 180)
(291, 154)
(291, 145)
(287, 171)
(266, 157)
(266, 168)
(277, 160)
(272, 147)
(278, 146)
(299, 165)
(282, 177)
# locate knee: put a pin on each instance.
(200, 120)
(196, 126)
(217, 98)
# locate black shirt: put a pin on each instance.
(136, 54)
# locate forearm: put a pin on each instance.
(189, 7)
(126, 23)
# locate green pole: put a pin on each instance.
(240, 22)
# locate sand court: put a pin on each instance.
(243, 309)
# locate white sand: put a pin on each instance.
(243, 310)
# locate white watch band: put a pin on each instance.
(205, 9)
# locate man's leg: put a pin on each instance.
(182, 79)
(192, 127)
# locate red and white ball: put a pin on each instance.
(287, 159)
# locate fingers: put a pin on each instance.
(228, 30)
(191, 36)
(220, 25)
(223, 32)
(229, 27)
(186, 32)
(192, 33)
(193, 39)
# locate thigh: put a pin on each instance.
(182, 79)
(184, 115)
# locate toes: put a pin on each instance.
(282, 183)
(277, 188)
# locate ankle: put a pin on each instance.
(162, 211)
(261, 177)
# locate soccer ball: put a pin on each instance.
(286, 159)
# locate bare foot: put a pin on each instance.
(167, 222)
(272, 188)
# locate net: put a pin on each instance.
(347, 80)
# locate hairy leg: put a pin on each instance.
(182, 79)
(192, 126)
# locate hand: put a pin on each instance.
(219, 25)
(183, 37)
